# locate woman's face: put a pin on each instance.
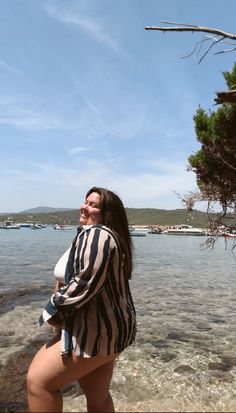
(90, 210)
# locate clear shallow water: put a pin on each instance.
(184, 358)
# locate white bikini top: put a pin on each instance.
(60, 267)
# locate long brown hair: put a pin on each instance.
(114, 217)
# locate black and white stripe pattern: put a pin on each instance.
(97, 297)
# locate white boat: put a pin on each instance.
(62, 227)
(137, 231)
(33, 225)
(9, 225)
(183, 230)
(36, 226)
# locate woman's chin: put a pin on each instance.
(83, 222)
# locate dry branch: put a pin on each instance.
(182, 27)
(219, 38)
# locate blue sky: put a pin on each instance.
(88, 97)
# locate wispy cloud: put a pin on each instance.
(9, 68)
(155, 190)
(90, 122)
(33, 122)
(79, 149)
(94, 27)
(29, 119)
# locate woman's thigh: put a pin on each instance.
(96, 384)
(52, 371)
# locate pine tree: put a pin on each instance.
(215, 162)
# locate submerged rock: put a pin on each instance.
(220, 366)
(13, 377)
(224, 376)
(159, 343)
(228, 359)
(166, 357)
(178, 336)
(184, 368)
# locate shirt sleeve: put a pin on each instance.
(91, 261)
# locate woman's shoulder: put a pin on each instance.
(101, 229)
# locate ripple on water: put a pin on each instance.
(184, 355)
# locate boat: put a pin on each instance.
(184, 230)
(228, 235)
(9, 225)
(63, 227)
(154, 230)
(136, 231)
(36, 226)
(25, 225)
(32, 225)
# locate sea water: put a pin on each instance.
(184, 357)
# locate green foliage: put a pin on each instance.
(215, 163)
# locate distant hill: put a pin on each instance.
(153, 216)
(43, 210)
(136, 216)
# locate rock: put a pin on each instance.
(223, 376)
(228, 359)
(166, 357)
(203, 327)
(178, 336)
(13, 377)
(184, 368)
(159, 343)
(220, 366)
(12, 407)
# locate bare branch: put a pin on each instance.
(182, 27)
(179, 24)
(198, 45)
(226, 51)
(210, 47)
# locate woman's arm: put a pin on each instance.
(91, 262)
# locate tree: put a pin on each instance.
(215, 163)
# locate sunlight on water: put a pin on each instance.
(184, 356)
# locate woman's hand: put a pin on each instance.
(55, 321)
(57, 285)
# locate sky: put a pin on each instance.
(88, 98)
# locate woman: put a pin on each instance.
(93, 309)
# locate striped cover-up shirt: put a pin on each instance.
(95, 305)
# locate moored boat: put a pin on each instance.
(36, 226)
(228, 235)
(25, 224)
(63, 227)
(137, 231)
(184, 230)
(9, 225)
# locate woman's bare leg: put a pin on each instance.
(50, 372)
(96, 388)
